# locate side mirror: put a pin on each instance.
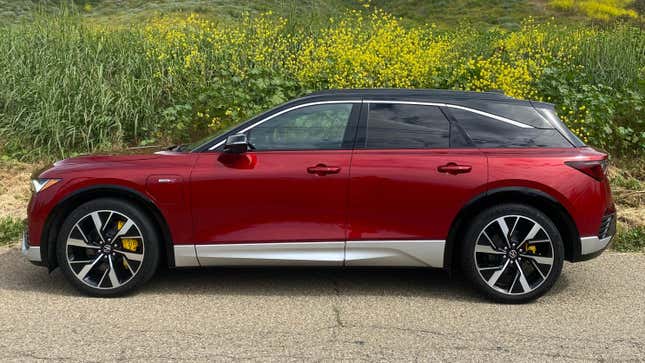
(236, 144)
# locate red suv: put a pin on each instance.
(413, 178)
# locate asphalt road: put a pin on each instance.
(595, 312)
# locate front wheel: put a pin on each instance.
(512, 253)
(107, 247)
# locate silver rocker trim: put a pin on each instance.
(418, 253)
(185, 256)
(589, 245)
(423, 253)
(32, 253)
(272, 254)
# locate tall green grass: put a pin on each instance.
(69, 86)
(66, 86)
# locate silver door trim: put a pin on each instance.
(272, 254)
(415, 253)
(185, 256)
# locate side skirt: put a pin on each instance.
(417, 253)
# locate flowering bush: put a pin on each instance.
(179, 78)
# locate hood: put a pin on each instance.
(104, 158)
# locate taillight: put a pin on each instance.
(596, 169)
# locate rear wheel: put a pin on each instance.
(512, 253)
(107, 247)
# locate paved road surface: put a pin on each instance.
(595, 312)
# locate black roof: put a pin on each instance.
(495, 103)
(405, 93)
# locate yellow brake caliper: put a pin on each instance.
(129, 244)
(531, 248)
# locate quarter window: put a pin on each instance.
(317, 127)
(486, 132)
(403, 126)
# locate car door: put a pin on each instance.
(285, 202)
(407, 184)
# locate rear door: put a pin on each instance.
(407, 184)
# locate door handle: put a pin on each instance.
(322, 169)
(454, 169)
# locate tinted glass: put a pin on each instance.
(520, 111)
(399, 126)
(319, 127)
(486, 132)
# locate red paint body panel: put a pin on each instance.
(131, 172)
(269, 197)
(402, 195)
(585, 198)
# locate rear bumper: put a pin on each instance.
(591, 247)
(32, 253)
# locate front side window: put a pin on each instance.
(486, 132)
(316, 127)
(404, 126)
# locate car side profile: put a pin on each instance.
(491, 185)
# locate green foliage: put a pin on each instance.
(630, 240)
(10, 230)
(69, 86)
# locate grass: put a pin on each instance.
(10, 230)
(628, 187)
(630, 240)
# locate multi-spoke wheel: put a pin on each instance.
(513, 253)
(106, 247)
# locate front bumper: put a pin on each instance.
(32, 253)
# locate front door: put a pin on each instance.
(284, 202)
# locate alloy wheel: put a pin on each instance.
(105, 249)
(514, 254)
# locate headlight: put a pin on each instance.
(38, 185)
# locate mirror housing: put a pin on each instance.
(236, 144)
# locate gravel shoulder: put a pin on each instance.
(596, 311)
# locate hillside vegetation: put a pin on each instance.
(444, 13)
(92, 76)
(69, 86)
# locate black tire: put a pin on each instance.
(517, 264)
(140, 269)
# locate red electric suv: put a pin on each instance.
(495, 186)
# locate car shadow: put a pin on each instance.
(18, 274)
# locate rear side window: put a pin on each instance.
(401, 126)
(486, 132)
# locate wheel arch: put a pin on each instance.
(521, 195)
(69, 203)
